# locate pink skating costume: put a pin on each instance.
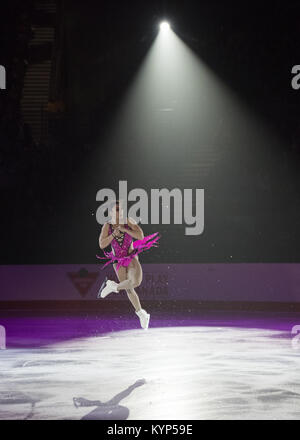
(120, 248)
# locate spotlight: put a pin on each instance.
(164, 26)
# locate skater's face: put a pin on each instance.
(116, 213)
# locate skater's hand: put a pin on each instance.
(122, 228)
(116, 231)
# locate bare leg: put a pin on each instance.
(121, 274)
(125, 284)
(130, 278)
(135, 275)
(134, 299)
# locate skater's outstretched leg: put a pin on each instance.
(135, 275)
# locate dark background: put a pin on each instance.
(251, 188)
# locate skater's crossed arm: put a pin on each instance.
(134, 229)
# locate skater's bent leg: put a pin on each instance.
(130, 278)
(125, 285)
(121, 273)
(123, 278)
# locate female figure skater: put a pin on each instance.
(124, 257)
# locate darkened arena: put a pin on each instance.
(150, 213)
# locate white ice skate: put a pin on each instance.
(107, 288)
(144, 318)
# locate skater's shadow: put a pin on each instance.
(110, 410)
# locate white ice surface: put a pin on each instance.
(190, 373)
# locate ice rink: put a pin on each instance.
(173, 372)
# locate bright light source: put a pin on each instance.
(164, 26)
